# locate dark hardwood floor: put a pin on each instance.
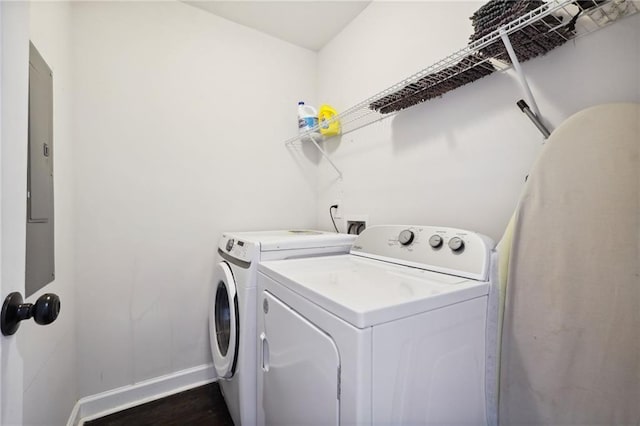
(200, 406)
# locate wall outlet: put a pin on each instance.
(337, 213)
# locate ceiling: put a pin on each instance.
(309, 24)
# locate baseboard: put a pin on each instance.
(102, 404)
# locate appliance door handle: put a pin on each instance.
(264, 346)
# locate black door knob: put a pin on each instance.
(44, 311)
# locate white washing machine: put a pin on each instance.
(393, 333)
(232, 320)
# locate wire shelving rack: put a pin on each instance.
(484, 56)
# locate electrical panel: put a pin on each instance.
(40, 258)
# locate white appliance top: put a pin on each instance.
(242, 245)
(367, 287)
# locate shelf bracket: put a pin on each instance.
(325, 155)
(516, 66)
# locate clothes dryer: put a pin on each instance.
(395, 332)
(232, 315)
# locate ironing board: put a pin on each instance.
(571, 332)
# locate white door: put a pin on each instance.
(14, 60)
(298, 382)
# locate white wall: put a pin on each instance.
(179, 118)
(459, 160)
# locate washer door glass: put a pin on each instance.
(222, 314)
(223, 321)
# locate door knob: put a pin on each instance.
(44, 311)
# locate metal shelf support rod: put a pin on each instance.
(516, 66)
(534, 118)
(326, 156)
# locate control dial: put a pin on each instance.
(406, 237)
(435, 241)
(456, 244)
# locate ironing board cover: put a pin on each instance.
(571, 333)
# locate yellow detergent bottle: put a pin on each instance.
(328, 121)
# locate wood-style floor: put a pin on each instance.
(200, 406)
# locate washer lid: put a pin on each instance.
(366, 292)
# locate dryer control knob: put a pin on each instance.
(406, 237)
(456, 244)
(435, 241)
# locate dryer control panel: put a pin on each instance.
(448, 250)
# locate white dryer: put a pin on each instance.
(232, 318)
(393, 333)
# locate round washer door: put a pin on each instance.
(223, 321)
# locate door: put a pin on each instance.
(14, 62)
(223, 322)
(299, 374)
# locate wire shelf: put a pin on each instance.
(535, 32)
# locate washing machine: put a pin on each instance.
(232, 320)
(399, 331)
